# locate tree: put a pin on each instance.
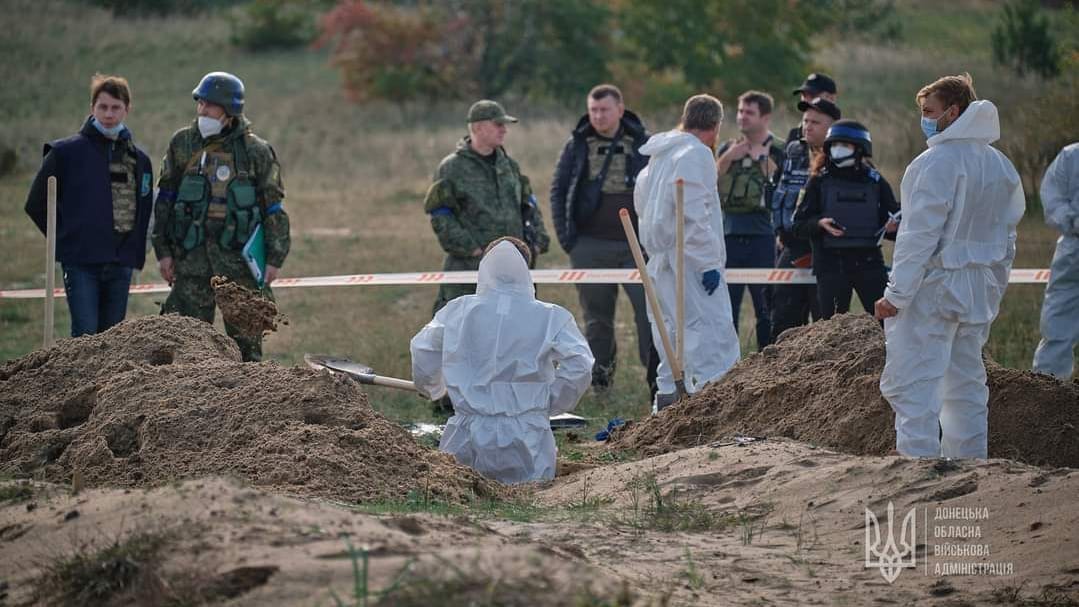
(1022, 39)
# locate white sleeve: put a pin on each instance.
(1060, 191)
(704, 250)
(924, 215)
(426, 348)
(573, 374)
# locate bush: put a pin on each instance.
(134, 8)
(269, 24)
(1022, 40)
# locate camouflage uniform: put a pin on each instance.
(474, 201)
(225, 160)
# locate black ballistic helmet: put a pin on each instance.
(852, 132)
(221, 88)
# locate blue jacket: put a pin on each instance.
(567, 205)
(84, 223)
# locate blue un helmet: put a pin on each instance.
(221, 88)
(852, 132)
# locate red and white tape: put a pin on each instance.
(543, 277)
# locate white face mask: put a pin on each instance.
(208, 127)
(839, 151)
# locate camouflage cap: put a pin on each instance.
(485, 109)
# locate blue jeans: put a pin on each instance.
(96, 295)
(752, 252)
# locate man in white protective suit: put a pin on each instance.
(507, 361)
(1060, 311)
(685, 153)
(962, 200)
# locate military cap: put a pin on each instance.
(821, 105)
(816, 84)
(485, 109)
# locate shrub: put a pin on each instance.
(269, 24)
(1022, 39)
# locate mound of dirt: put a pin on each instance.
(247, 310)
(163, 398)
(820, 384)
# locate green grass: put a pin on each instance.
(356, 175)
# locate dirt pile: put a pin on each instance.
(163, 398)
(247, 310)
(820, 384)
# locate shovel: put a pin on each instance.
(366, 375)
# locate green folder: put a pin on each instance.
(254, 253)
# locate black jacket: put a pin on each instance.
(810, 212)
(567, 207)
(84, 221)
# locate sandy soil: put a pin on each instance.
(245, 479)
(820, 384)
(804, 506)
(247, 310)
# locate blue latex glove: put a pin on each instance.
(603, 435)
(710, 280)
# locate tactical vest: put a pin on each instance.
(122, 177)
(216, 187)
(791, 184)
(747, 183)
(854, 205)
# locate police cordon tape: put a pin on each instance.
(542, 277)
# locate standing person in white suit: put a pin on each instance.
(686, 153)
(507, 361)
(1060, 311)
(962, 200)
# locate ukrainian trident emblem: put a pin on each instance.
(893, 556)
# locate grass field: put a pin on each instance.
(356, 176)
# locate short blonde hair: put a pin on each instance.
(951, 90)
(701, 113)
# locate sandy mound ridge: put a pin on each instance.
(163, 398)
(820, 384)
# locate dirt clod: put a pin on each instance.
(252, 314)
(820, 384)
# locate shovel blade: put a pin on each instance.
(336, 363)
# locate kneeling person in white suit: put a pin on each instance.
(685, 153)
(508, 362)
(962, 200)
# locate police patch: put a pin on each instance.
(147, 180)
(223, 172)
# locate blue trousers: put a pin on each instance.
(96, 295)
(752, 252)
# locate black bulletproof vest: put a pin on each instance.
(854, 206)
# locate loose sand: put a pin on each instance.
(164, 398)
(820, 384)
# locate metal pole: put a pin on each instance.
(50, 261)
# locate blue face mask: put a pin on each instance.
(111, 133)
(930, 126)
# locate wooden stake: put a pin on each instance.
(50, 261)
(680, 271)
(653, 303)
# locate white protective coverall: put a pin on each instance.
(1060, 312)
(962, 200)
(711, 343)
(507, 362)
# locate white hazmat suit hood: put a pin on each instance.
(508, 362)
(962, 200)
(711, 347)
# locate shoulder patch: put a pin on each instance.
(440, 195)
(874, 174)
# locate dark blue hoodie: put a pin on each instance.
(84, 222)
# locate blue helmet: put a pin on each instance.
(221, 88)
(852, 132)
